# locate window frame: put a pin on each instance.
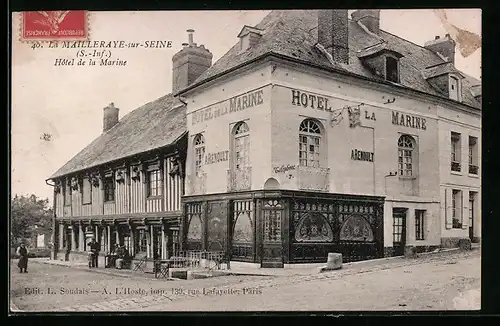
(456, 151)
(199, 153)
(156, 191)
(393, 74)
(407, 158)
(310, 136)
(457, 222)
(241, 144)
(473, 155)
(107, 182)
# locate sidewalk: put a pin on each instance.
(252, 271)
(306, 270)
(128, 273)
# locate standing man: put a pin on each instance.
(93, 253)
(22, 252)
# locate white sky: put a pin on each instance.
(67, 102)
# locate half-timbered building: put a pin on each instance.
(314, 133)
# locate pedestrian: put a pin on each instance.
(123, 257)
(22, 252)
(93, 253)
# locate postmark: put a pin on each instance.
(54, 25)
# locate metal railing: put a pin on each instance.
(198, 259)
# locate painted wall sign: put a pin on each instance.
(211, 158)
(283, 168)
(358, 155)
(314, 101)
(407, 120)
(237, 103)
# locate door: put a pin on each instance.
(399, 230)
(471, 217)
(272, 235)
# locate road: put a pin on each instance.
(441, 282)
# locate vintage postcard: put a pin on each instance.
(284, 160)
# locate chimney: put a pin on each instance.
(333, 34)
(189, 63)
(110, 118)
(369, 18)
(444, 46)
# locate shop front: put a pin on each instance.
(276, 228)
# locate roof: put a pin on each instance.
(154, 125)
(441, 69)
(289, 33)
(293, 33)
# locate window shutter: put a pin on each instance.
(448, 210)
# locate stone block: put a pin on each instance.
(334, 262)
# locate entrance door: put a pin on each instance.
(399, 230)
(471, 217)
(272, 238)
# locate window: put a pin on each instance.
(109, 189)
(199, 153)
(454, 88)
(309, 142)
(419, 224)
(456, 204)
(473, 159)
(154, 183)
(406, 155)
(391, 66)
(142, 240)
(86, 191)
(67, 194)
(455, 151)
(241, 145)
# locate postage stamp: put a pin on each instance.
(54, 25)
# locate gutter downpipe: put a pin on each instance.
(53, 240)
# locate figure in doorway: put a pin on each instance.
(93, 253)
(22, 252)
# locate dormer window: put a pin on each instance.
(392, 69)
(454, 88)
(445, 79)
(249, 36)
(382, 60)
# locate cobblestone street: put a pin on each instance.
(434, 282)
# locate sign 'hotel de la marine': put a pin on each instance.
(316, 132)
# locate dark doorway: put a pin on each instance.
(471, 216)
(399, 230)
(272, 255)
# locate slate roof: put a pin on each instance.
(290, 33)
(293, 33)
(153, 125)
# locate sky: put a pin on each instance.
(67, 101)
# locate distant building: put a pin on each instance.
(315, 133)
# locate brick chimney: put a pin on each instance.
(369, 18)
(444, 46)
(189, 63)
(333, 34)
(110, 118)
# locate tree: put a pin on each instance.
(28, 212)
